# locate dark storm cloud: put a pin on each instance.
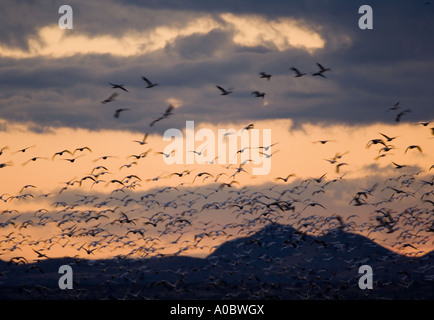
(22, 19)
(198, 46)
(370, 72)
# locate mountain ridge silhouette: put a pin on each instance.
(276, 262)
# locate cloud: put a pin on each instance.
(216, 43)
(282, 34)
(58, 77)
(247, 30)
(54, 42)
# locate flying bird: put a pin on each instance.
(318, 73)
(409, 245)
(394, 108)
(413, 147)
(267, 147)
(150, 84)
(103, 158)
(5, 164)
(26, 187)
(118, 86)
(375, 141)
(60, 153)
(118, 112)
(297, 72)
(142, 142)
(72, 160)
(285, 179)
(268, 155)
(323, 141)
(201, 174)
(40, 255)
(322, 68)
(264, 75)
(24, 149)
(258, 94)
(224, 91)
(389, 139)
(169, 111)
(398, 166)
(111, 98)
(248, 127)
(340, 165)
(2, 149)
(399, 115)
(166, 114)
(313, 204)
(82, 149)
(129, 165)
(167, 155)
(33, 159)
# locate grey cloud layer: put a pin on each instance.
(391, 63)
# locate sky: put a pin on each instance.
(53, 80)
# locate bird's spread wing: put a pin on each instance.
(147, 81)
(221, 89)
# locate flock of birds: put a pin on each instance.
(149, 84)
(189, 216)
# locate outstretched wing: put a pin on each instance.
(147, 81)
(221, 89)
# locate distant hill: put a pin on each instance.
(277, 262)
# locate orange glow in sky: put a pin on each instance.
(40, 193)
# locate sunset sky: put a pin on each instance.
(52, 82)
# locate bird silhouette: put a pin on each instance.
(394, 108)
(264, 75)
(167, 155)
(2, 149)
(72, 160)
(149, 83)
(413, 147)
(339, 165)
(389, 139)
(33, 160)
(319, 74)
(322, 68)
(285, 179)
(6, 164)
(118, 112)
(258, 94)
(268, 155)
(166, 114)
(298, 74)
(248, 127)
(23, 150)
(224, 92)
(398, 166)
(375, 141)
(402, 113)
(110, 98)
(118, 86)
(60, 153)
(40, 254)
(323, 141)
(81, 149)
(142, 142)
